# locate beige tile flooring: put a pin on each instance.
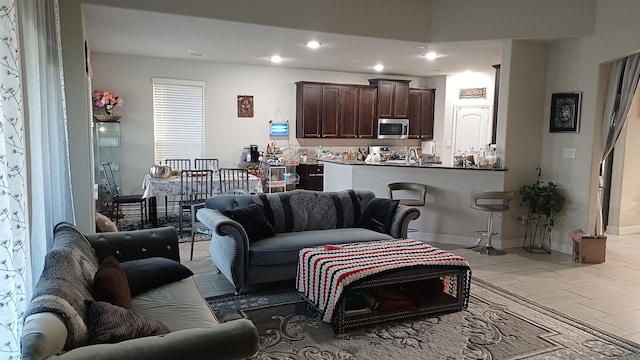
(605, 295)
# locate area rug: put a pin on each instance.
(132, 222)
(497, 325)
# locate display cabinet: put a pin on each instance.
(106, 149)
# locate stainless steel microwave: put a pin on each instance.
(393, 128)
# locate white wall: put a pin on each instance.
(273, 89)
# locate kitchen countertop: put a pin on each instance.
(401, 163)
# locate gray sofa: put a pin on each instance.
(56, 324)
(300, 219)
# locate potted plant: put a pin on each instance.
(543, 201)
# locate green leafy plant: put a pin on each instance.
(544, 202)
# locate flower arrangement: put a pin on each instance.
(105, 100)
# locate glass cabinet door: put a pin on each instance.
(106, 150)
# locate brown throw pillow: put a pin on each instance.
(253, 221)
(110, 283)
(110, 324)
(104, 224)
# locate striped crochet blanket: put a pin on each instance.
(325, 272)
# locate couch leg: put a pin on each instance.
(237, 291)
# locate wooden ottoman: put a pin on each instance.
(328, 275)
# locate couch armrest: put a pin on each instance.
(137, 244)
(400, 224)
(237, 339)
(229, 247)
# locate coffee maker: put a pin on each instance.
(255, 154)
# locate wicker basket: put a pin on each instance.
(107, 118)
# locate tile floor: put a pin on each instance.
(605, 295)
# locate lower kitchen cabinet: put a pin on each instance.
(311, 176)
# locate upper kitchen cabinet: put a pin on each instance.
(308, 110)
(421, 113)
(393, 97)
(335, 110)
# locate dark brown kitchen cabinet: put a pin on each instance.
(366, 112)
(393, 97)
(308, 110)
(339, 110)
(421, 113)
(335, 110)
(311, 176)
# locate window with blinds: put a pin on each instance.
(178, 118)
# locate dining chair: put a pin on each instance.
(233, 179)
(197, 227)
(118, 200)
(196, 186)
(177, 165)
(206, 164)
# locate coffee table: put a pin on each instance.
(326, 274)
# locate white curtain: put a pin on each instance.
(623, 82)
(34, 163)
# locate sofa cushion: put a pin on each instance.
(284, 248)
(147, 274)
(378, 215)
(252, 219)
(303, 210)
(66, 281)
(179, 305)
(110, 323)
(110, 284)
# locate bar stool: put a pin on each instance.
(490, 201)
(409, 188)
(405, 189)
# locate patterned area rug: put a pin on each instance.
(132, 222)
(497, 325)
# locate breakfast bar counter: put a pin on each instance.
(447, 216)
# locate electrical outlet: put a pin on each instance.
(569, 153)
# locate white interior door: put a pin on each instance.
(471, 127)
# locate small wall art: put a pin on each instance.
(565, 112)
(473, 93)
(245, 106)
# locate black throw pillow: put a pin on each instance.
(146, 274)
(378, 215)
(253, 220)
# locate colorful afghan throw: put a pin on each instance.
(325, 272)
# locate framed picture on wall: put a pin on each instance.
(245, 106)
(565, 112)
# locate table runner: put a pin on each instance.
(324, 272)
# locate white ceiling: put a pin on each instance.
(133, 32)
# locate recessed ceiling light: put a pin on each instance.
(194, 52)
(276, 59)
(378, 67)
(421, 47)
(313, 44)
(431, 55)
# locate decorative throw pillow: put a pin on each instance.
(110, 324)
(110, 284)
(104, 224)
(146, 274)
(378, 215)
(253, 220)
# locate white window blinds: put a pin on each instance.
(178, 118)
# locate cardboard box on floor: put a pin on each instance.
(588, 248)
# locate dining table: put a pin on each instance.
(171, 186)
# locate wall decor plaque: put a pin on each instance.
(473, 93)
(245, 106)
(565, 112)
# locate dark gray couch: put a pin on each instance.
(300, 218)
(56, 328)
